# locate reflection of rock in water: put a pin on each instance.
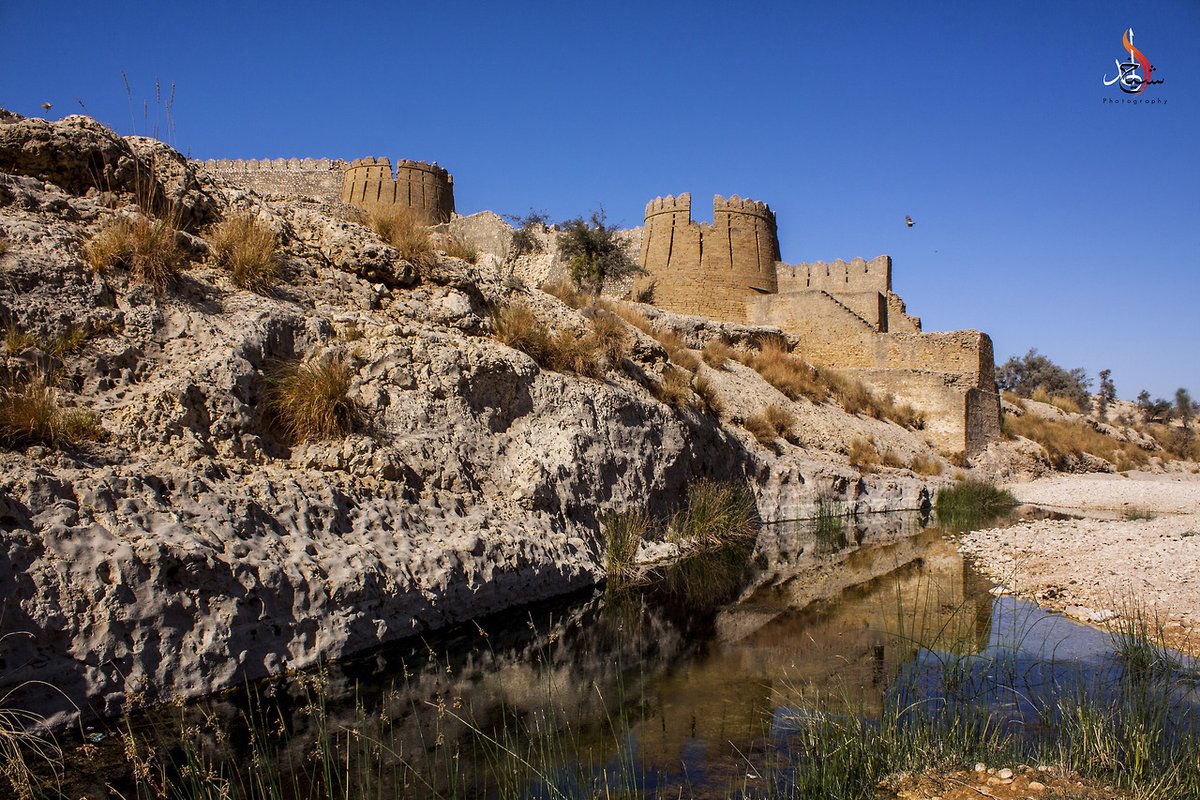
(685, 676)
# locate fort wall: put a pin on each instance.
(427, 189)
(836, 277)
(320, 178)
(710, 269)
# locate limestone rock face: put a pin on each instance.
(194, 546)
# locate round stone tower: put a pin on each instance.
(427, 189)
(710, 270)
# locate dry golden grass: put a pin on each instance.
(1065, 441)
(31, 414)
(677, 350)
(864, 455)
(1014, 398)
(67, 341)
(635, 318)
(857, 398)
(458, 247)
(675, 389)
(707, 395)
(567, 292)
(145, 246)
(563, 350)
(18, 340)
(403, 230)
(3, 246)
(770, 424)
(1178, 442)
(786, 372)
(611, 335)
(310, 399)
(246, 247)
(352, 333)
(717, 353)
(890, 459)
(927, 465)
(1064, 404)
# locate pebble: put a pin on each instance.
(1036, 786)
(980, 767)
(1005, 774)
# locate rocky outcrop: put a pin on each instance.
(194, 547)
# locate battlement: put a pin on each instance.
(272, 164)
(837, 276)
(738, 205)
(670, 205)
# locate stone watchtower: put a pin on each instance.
(427, 189)
(710, 270)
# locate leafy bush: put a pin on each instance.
(715, 513)
(246, 247)
(145, 246)
(311, 399)
(404, 230)
(524, 239)
(31, 414)
(1025, 375)
(593, 252)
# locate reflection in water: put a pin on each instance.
(691, 679)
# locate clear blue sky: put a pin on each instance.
(1043, 216)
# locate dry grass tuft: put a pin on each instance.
(18, 340)
(458, 247)
(675, 389)
(147, 247)
(352, 333)
(787, 373)
(706, 393)
(1014, 398)
(715, 514)
(857, 398)
(677, 350)
(568, 293)
(3, 246)
(635, 318)
(611, 336)
(246, 247)
(1178, 442)
(31, 414)
(563, 350)
(927, 465)
(770, 424)
(1065, 441)
(403, 230)
(864, 455)
(717, 353)
(310, 399)
(67, 341)
(1062, 403)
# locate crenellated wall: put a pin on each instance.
(709, 269)
(291, 177)
(844, 313)
(425, 188)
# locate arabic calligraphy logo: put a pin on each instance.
(1128, 77)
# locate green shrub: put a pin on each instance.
(1033, 371)
(715, 514)
(310, 399)
(593, 252)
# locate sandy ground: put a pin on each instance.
(1096, 569)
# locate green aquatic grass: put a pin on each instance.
(971, 503)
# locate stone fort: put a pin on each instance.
(425, 189)
(844, 315)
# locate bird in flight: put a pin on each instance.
(908, 220)
(47, 106)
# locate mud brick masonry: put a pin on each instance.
(845, 314)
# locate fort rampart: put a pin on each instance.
(320, 178)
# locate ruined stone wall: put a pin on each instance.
(710, 270)
(292, 177)
(427, 189)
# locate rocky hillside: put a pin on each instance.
(179, 541)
